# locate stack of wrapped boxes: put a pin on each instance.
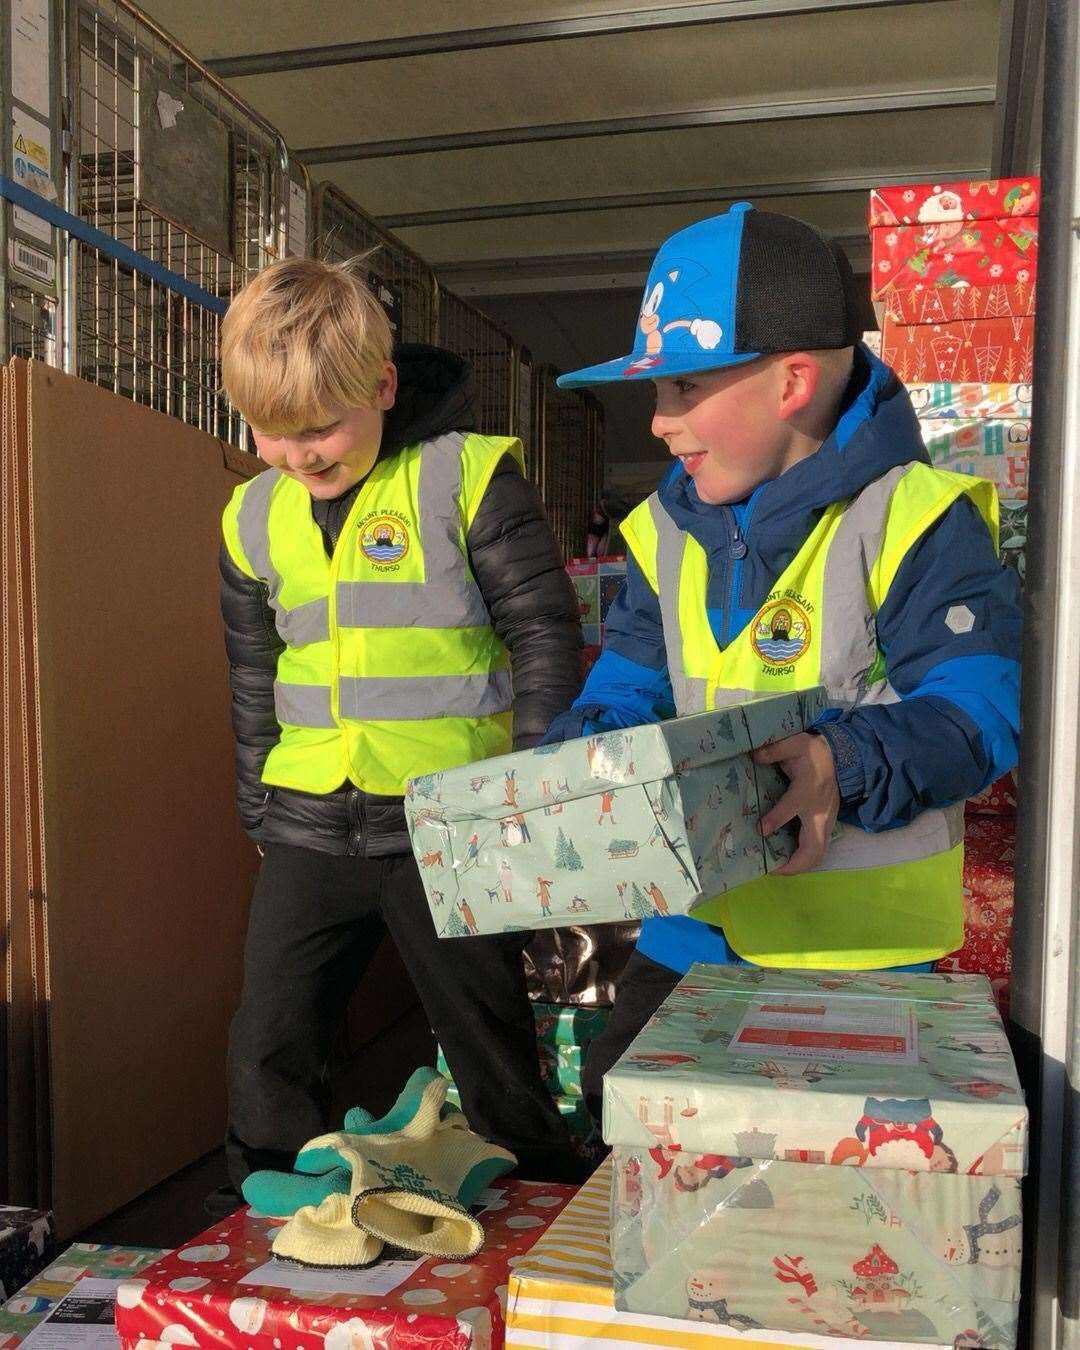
(954, 270)
(597, 582)
(799, 1159)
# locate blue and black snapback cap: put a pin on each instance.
(729, 289)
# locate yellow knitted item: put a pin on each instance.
(411, 1188)
(325, 1235)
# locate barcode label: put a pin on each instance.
(33, 261)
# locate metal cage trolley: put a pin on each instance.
(398, 276)
(468, 332)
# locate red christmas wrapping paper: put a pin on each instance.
(194, 1296)
(989, 856)
(943, 304)
(986, 351)
(954, 252)
(999, 799)
(976, 199)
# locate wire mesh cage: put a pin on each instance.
(168, 162)
(298, 216)
(464, 329)
(398, 276)
(565, 432)
(31, 160)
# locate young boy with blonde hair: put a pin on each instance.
(394, 605)
(802, 538)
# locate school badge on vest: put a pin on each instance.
(780, 632)
(384, 539)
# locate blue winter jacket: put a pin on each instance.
(955, 728)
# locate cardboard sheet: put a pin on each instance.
(137, 879)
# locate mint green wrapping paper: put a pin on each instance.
(621, 825)
(818, 1151)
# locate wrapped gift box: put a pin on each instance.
(971, 400)
(202, 1294)
(989, 860)
(985, 350)
(590, 654)
(931, 203)
(563, 1026)
(942, 304)
(561, 1296)
(583, 574)
(999, 799)
(25, 1309)
(1012, 534)
(25, 1239)
(848, 1145)
(950, 234)
(954, 253)
(611, 575)
(620, 825)
(985, 447)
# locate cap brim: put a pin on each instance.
(660, 367)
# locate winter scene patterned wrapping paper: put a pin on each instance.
(850, 1142)
(195, 1296)
(620, 825)
(25, 1238)
(561, 1296)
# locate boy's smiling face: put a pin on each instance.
(332, 456)
(732, 428)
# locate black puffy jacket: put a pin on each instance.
(516, 564)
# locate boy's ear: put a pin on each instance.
(386, 389)
(800, 375)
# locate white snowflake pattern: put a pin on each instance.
(1023, 275)
(884, 265)
(948, 257)
(891, 238)
(996, 270)
(909, 195)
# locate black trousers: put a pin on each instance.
(316, 920)
(643, 986)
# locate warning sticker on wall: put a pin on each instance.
(31, 145)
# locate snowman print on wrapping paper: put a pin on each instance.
(707, 1294)
(675, 295)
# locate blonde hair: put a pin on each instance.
(303, 337)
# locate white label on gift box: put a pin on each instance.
(864, 1031)
(377, 1280)
(82, 1320)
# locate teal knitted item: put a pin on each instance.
(321, 1172)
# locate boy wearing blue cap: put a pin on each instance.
(802, 538)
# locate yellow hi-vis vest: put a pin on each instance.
(884, 899)
(391, 668)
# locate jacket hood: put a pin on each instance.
(436, 393)
(876, 430)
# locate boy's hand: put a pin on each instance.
(813, 796)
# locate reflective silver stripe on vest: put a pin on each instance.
(934, 831)
(303, 705)
(305, 623)
(252, 526)
(849, 645)
(689, 693)
(415, 697)
(449, 598)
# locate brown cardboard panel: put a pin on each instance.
(34, 1144)
(25, 1148)
(148, 875)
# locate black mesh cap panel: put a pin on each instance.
(796, 290)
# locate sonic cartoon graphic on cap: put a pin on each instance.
(677, 289)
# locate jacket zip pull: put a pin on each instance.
(738, 545)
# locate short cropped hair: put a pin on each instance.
(302, 338)
(836, 366)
